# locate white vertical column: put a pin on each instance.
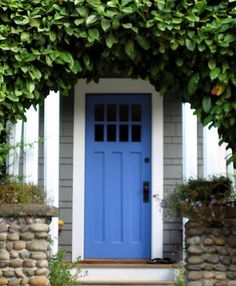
(189, 148)
(15, 138)
(31, 136)
(230, 169)
(51, 157)
(214, 156)
(189, 145)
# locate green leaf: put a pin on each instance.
(207, 120)
(67, 57)
(214, 73)
(125, 2)
(110, 40)
(211, 64)
(94, 34)
(105, 23)
(115, 23)
(12, 97)
(112, 4)
(127, 25)
(91, 20)
(1, 127)
(176, 20)
(30, 85)
(192, 18)
(24, 36)
(225, 66)
(87, 60)
(129, 49)
(206, 103)
(83, 12)
(127, 10)
(193, 83)
(229, 38)
(179, 62)
(35, 73)
(79, 22)
(143, 42)
(190, 44)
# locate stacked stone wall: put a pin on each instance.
(24, 249)
(211, 253)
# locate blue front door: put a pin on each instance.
(117, 182)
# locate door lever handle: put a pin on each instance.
(145, 192)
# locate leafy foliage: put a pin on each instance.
(197, 196)
(59, 271)
(13, 191)
(186, 47)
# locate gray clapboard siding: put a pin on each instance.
(172, 169)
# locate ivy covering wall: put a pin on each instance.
(186, 47)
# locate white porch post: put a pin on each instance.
(13, 164)
(214, 156)
(189, 146)
(31, 135)
(230, 169)
(51, 157)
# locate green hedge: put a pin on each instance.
(186, 47)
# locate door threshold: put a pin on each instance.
(122, 263)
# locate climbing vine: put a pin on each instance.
(186, 47)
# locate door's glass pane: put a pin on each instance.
(99, 112)
(124, 112)
(136, 112)
(111, 112)
(136, 133)
(99, 133)
(124, 133)
(111, 133)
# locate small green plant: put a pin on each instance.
(180, 276)
(60, 271)
(197, 196)
(13, 191)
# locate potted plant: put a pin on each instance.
(202, 198)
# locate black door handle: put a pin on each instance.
(145, 192)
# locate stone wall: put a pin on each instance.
(25, 244)
(211, 253)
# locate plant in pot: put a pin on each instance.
(209, 198)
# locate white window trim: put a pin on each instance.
(116, 86)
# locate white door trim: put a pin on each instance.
(116, 86)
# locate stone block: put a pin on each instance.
(4, 254)
(40, 281)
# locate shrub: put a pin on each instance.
(13, 191)
(59, 271)
(197, 196)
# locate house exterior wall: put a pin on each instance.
(172, 236)
(172, 171)
(172, 232)
(66, 171)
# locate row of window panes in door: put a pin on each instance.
(117, 132)
(115, 112)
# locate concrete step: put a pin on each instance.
(128, 274)
(128, 283)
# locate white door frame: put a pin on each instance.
(116, 85)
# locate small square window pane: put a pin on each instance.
(136, 133)
(124, 112)
(99, 112)
(111, 133)
(136, 112)
(99, 133)
(111, 112)
(124, 133)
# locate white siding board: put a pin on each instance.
(31, 136)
